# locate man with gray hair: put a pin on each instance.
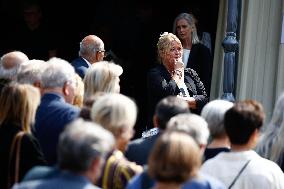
(81, 150)
(54, 111)
(9, 66)
(91, 51)
(30, 72)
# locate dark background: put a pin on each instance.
(129, 28)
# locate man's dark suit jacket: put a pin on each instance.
(52, 115)
(139, 149)
(80, 65)
(200, 60)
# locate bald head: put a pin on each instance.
(90, 46)
(13, 59)
(10, 63)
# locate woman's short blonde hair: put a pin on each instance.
(175, 158)
(114, 111)
(101, 77)
(164, 44)
(18, 104)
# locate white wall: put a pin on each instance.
(261, 57)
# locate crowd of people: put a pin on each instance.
(68, 125)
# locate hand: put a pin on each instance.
(178, 72)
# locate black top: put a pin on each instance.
(160, 85)
(30, 154)
(212, 152)
(201, 61)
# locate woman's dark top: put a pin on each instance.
(200, 60)
(30, 153)
(160, 85)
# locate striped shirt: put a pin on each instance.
(117, 171)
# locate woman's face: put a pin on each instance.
(183, 29)
(173, 53)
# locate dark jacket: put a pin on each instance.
(200, 60)
(160, 85)
(80, 66)
(52, 115)
(30, 153)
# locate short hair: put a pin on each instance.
(90, 45)
(191, 21)
(10, 63)
(174, 158)
(213, 112)
(82, 142)
(169, 107)
(18, 104)
(30, 71)
(192, 124)
(242, 120)
(114, 111)
(164, 44)
(57, 72)
(102, 77)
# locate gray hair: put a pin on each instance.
(57, 73)
(192, 124)
(30, 71)
(90, 45)
(271, 143)
(101, 77)
(10, 63)
(82, 142)
(190, 20)
(114, 111)
(214, 113)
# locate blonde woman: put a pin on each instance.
(195, 55)
(170, 77)
(116, 113)
(102, 77)
(18, 103)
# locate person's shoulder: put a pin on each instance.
(192, 73)
(34, 184)
(204, 181)
(200, 46)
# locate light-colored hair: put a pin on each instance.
(90, 45)
(192, 124)
(271, 143)
(57, 72)
(79, 92)
(214, 113)
(114, 111)
(81, 143)
(102, 77)
(174, 158)
(164, 44)
(18, 103)
(30, 71)
(10, 63)
(191, 21)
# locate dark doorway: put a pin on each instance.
(129, 28)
